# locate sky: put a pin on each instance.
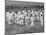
(9, 2)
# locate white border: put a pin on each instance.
(2, 16)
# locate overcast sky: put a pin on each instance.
(9, 2)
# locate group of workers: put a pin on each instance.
(28, 16)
